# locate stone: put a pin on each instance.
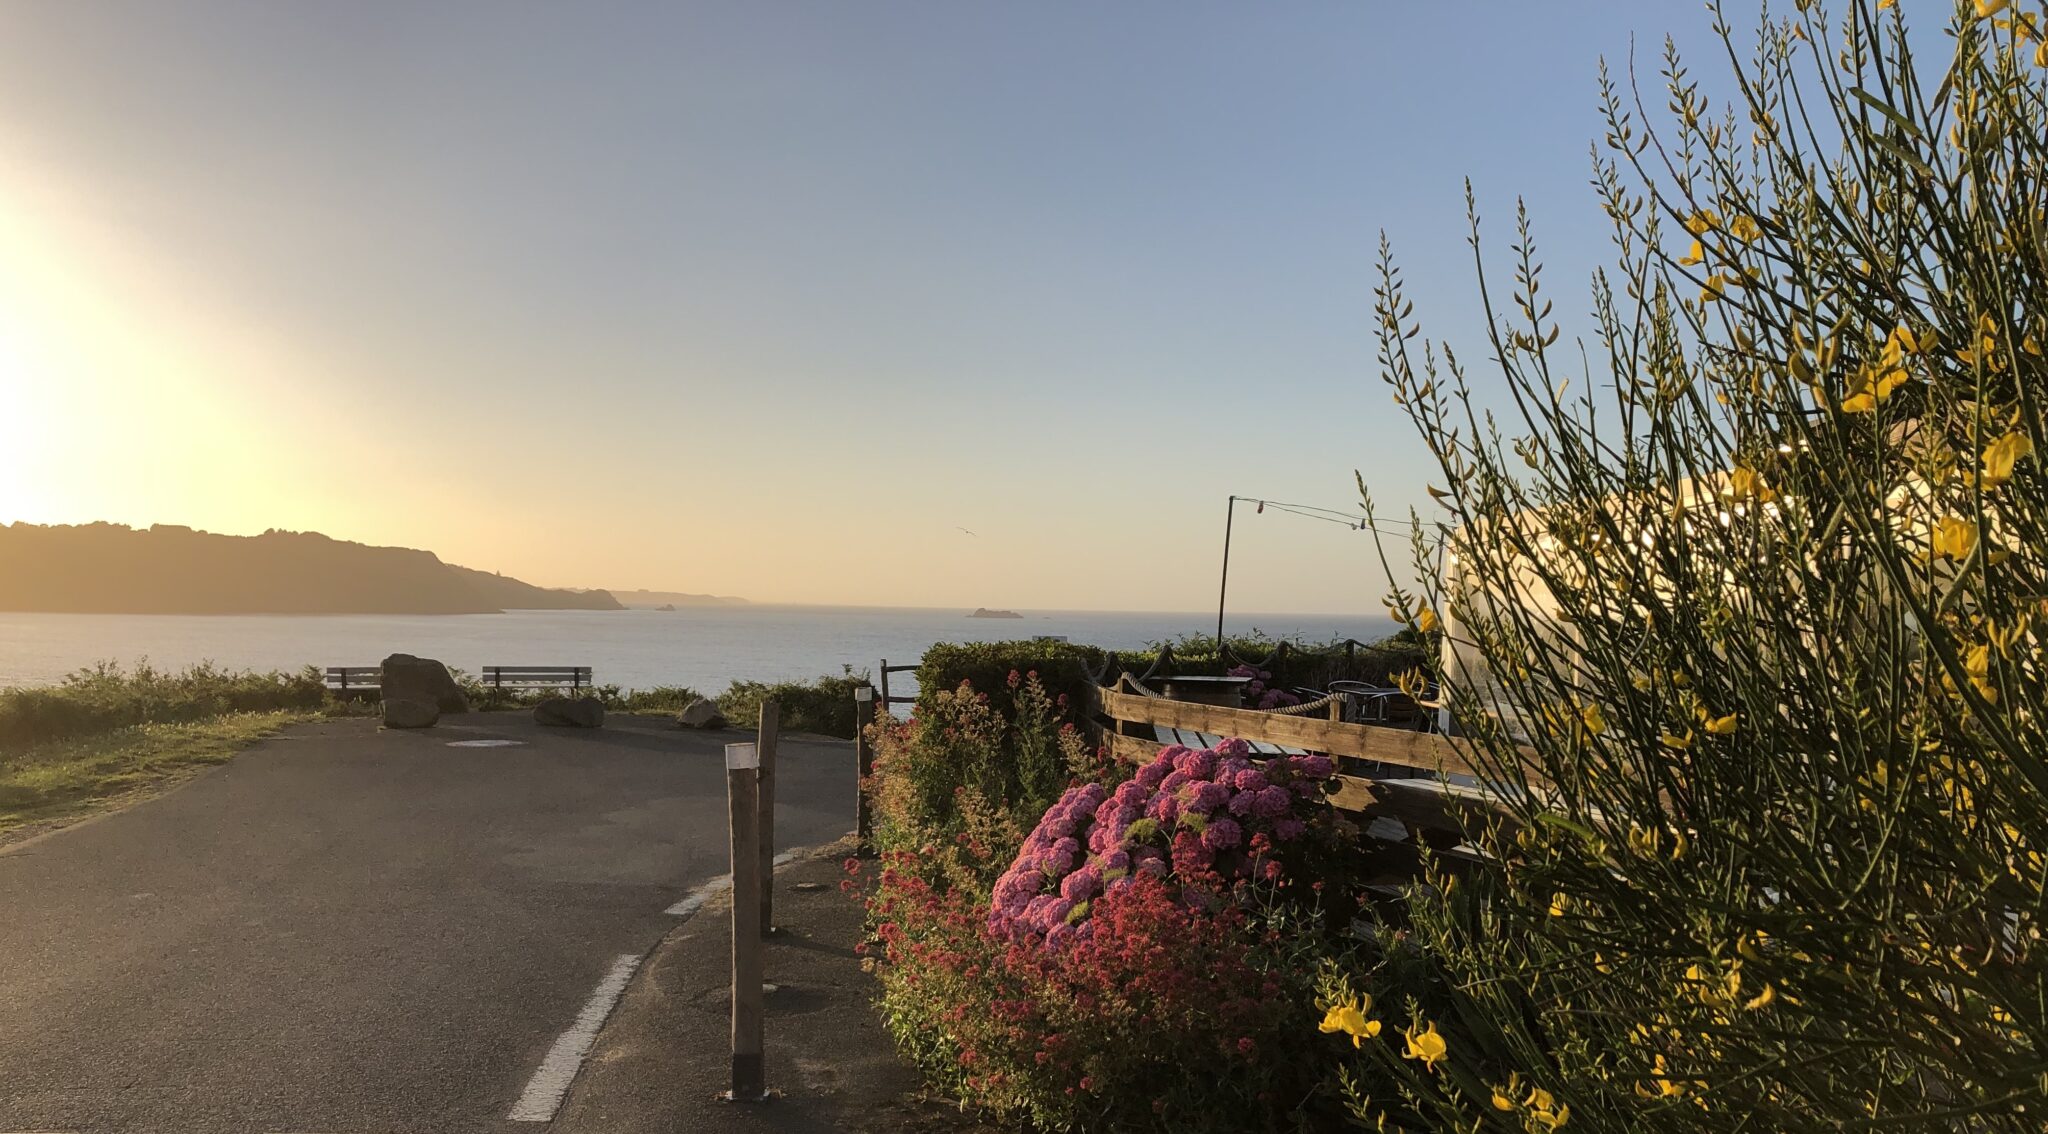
(570, 712)
(701, 714)
(404, 712)
(407, 678)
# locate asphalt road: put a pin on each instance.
(348, 931)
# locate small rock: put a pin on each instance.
(570, 712)
(407, 678)
(408, 713)
(807, 887)
(701, 714)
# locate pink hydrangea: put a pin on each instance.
(1188, 812)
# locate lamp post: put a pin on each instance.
(1223, 592)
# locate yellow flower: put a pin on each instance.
(1350, 1019)
(1698, 255)
(1544, 1113)
(1665, 1086)
(1873, 385)
(1702, 222)
(1744, 228)
(1559, 904)
(1426, 621)
(1501, 1101)
(1426, 1045)
(1991, 7)
(2000, 455)
(1595, 723)
(1977, 664)
(1883, 4)
(1954, 538)
(1721, 726)
(1680, 743)
(1761, 999)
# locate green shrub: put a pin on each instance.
(1063, 668)
(963, 781)
(659, 699)
(107, 697)
(824, 705)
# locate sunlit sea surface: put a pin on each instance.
(704, 648)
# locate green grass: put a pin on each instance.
(62, 781)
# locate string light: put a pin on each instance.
(1351, 520)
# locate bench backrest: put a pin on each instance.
(500, 676)
(355, 676)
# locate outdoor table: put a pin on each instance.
(1225, 691)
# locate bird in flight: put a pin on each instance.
(965, 530)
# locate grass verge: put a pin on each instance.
(49, 785)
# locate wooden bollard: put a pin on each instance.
(742, 779)
(863, 763)
(764, 738)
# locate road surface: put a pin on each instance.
(349, 931)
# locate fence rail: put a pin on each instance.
(888, 669)
(1431, 808)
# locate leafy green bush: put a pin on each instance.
(963, 781)
(107, 696)
(824, 705)
(1757, 610)
(1063, 668)
(658, 699)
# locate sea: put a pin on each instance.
(703, 648)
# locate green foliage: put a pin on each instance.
(1062, 668)
(824, 705)
(1759, 612)
(107, 697)
(964, 781)
(659, 699)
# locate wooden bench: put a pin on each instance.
(355, 680)
(536, 676)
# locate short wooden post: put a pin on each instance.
(1337, 707)
(885, 683)
(771, 725)
(863, 764)
(742, 768)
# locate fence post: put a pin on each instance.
(742, 769)
(863, 764)
(770, 727)
(885, 684)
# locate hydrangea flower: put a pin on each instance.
(1189, 812)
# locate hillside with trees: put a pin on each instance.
(170, 569)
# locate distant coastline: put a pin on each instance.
(171, 569)
(657, 600)
(984, 612)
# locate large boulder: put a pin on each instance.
(701, 714)
(570, 712)
(407, 713)
(407, 678)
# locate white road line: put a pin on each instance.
(545, 1090)
(690, 902)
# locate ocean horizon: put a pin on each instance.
(703, 647)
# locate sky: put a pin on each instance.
(771, 299)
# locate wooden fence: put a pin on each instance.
(1430, 808)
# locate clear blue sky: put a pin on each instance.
(768, 298)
